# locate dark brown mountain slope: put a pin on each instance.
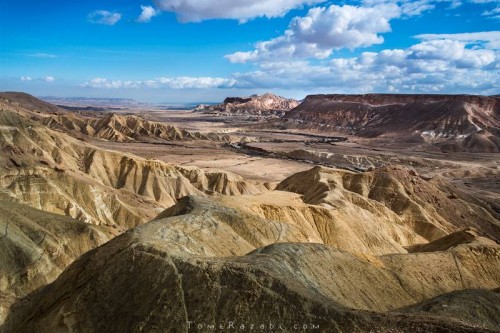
(477, 307)
(472, 122)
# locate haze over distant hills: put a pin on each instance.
(95, 102)
(124, 103)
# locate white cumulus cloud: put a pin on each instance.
(164, 82)
(104, 17)
(434, 66)
(42, 55)
(148, 12)
(242, 10)
(323, 30)
(38, 79)
(490, 39)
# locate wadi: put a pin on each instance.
(338, 213)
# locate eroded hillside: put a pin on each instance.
(455, 123)
(51, 171)
(281, 283)
(383, 250)
(266, 104)
(36, 246)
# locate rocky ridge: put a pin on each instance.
(287, 283)
(455, 123)
(127, 128)
(266, 104)
(51, 171)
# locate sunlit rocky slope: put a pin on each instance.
(254, 105)
(50, 170)
(36, 246)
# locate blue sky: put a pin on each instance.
(205, 50)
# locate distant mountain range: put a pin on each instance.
(125, 103)
(253, 105)
(95, 102)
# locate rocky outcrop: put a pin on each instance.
(288, 284)
(51, 171)
(36, 246)
(350, 162)
(253, 105)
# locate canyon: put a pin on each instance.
(356, 213)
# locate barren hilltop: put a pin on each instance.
(253, 105)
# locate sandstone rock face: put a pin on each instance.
(120, 128)
(283, 283)
(36, 246)
(264, 104)
(470, 122)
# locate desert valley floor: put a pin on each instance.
(342, 213)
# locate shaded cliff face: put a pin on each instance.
(472, 121)
(36, 246)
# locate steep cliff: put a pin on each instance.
(473, 122)
(253, 105)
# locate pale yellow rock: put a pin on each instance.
(51, 171)
(36, 246)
